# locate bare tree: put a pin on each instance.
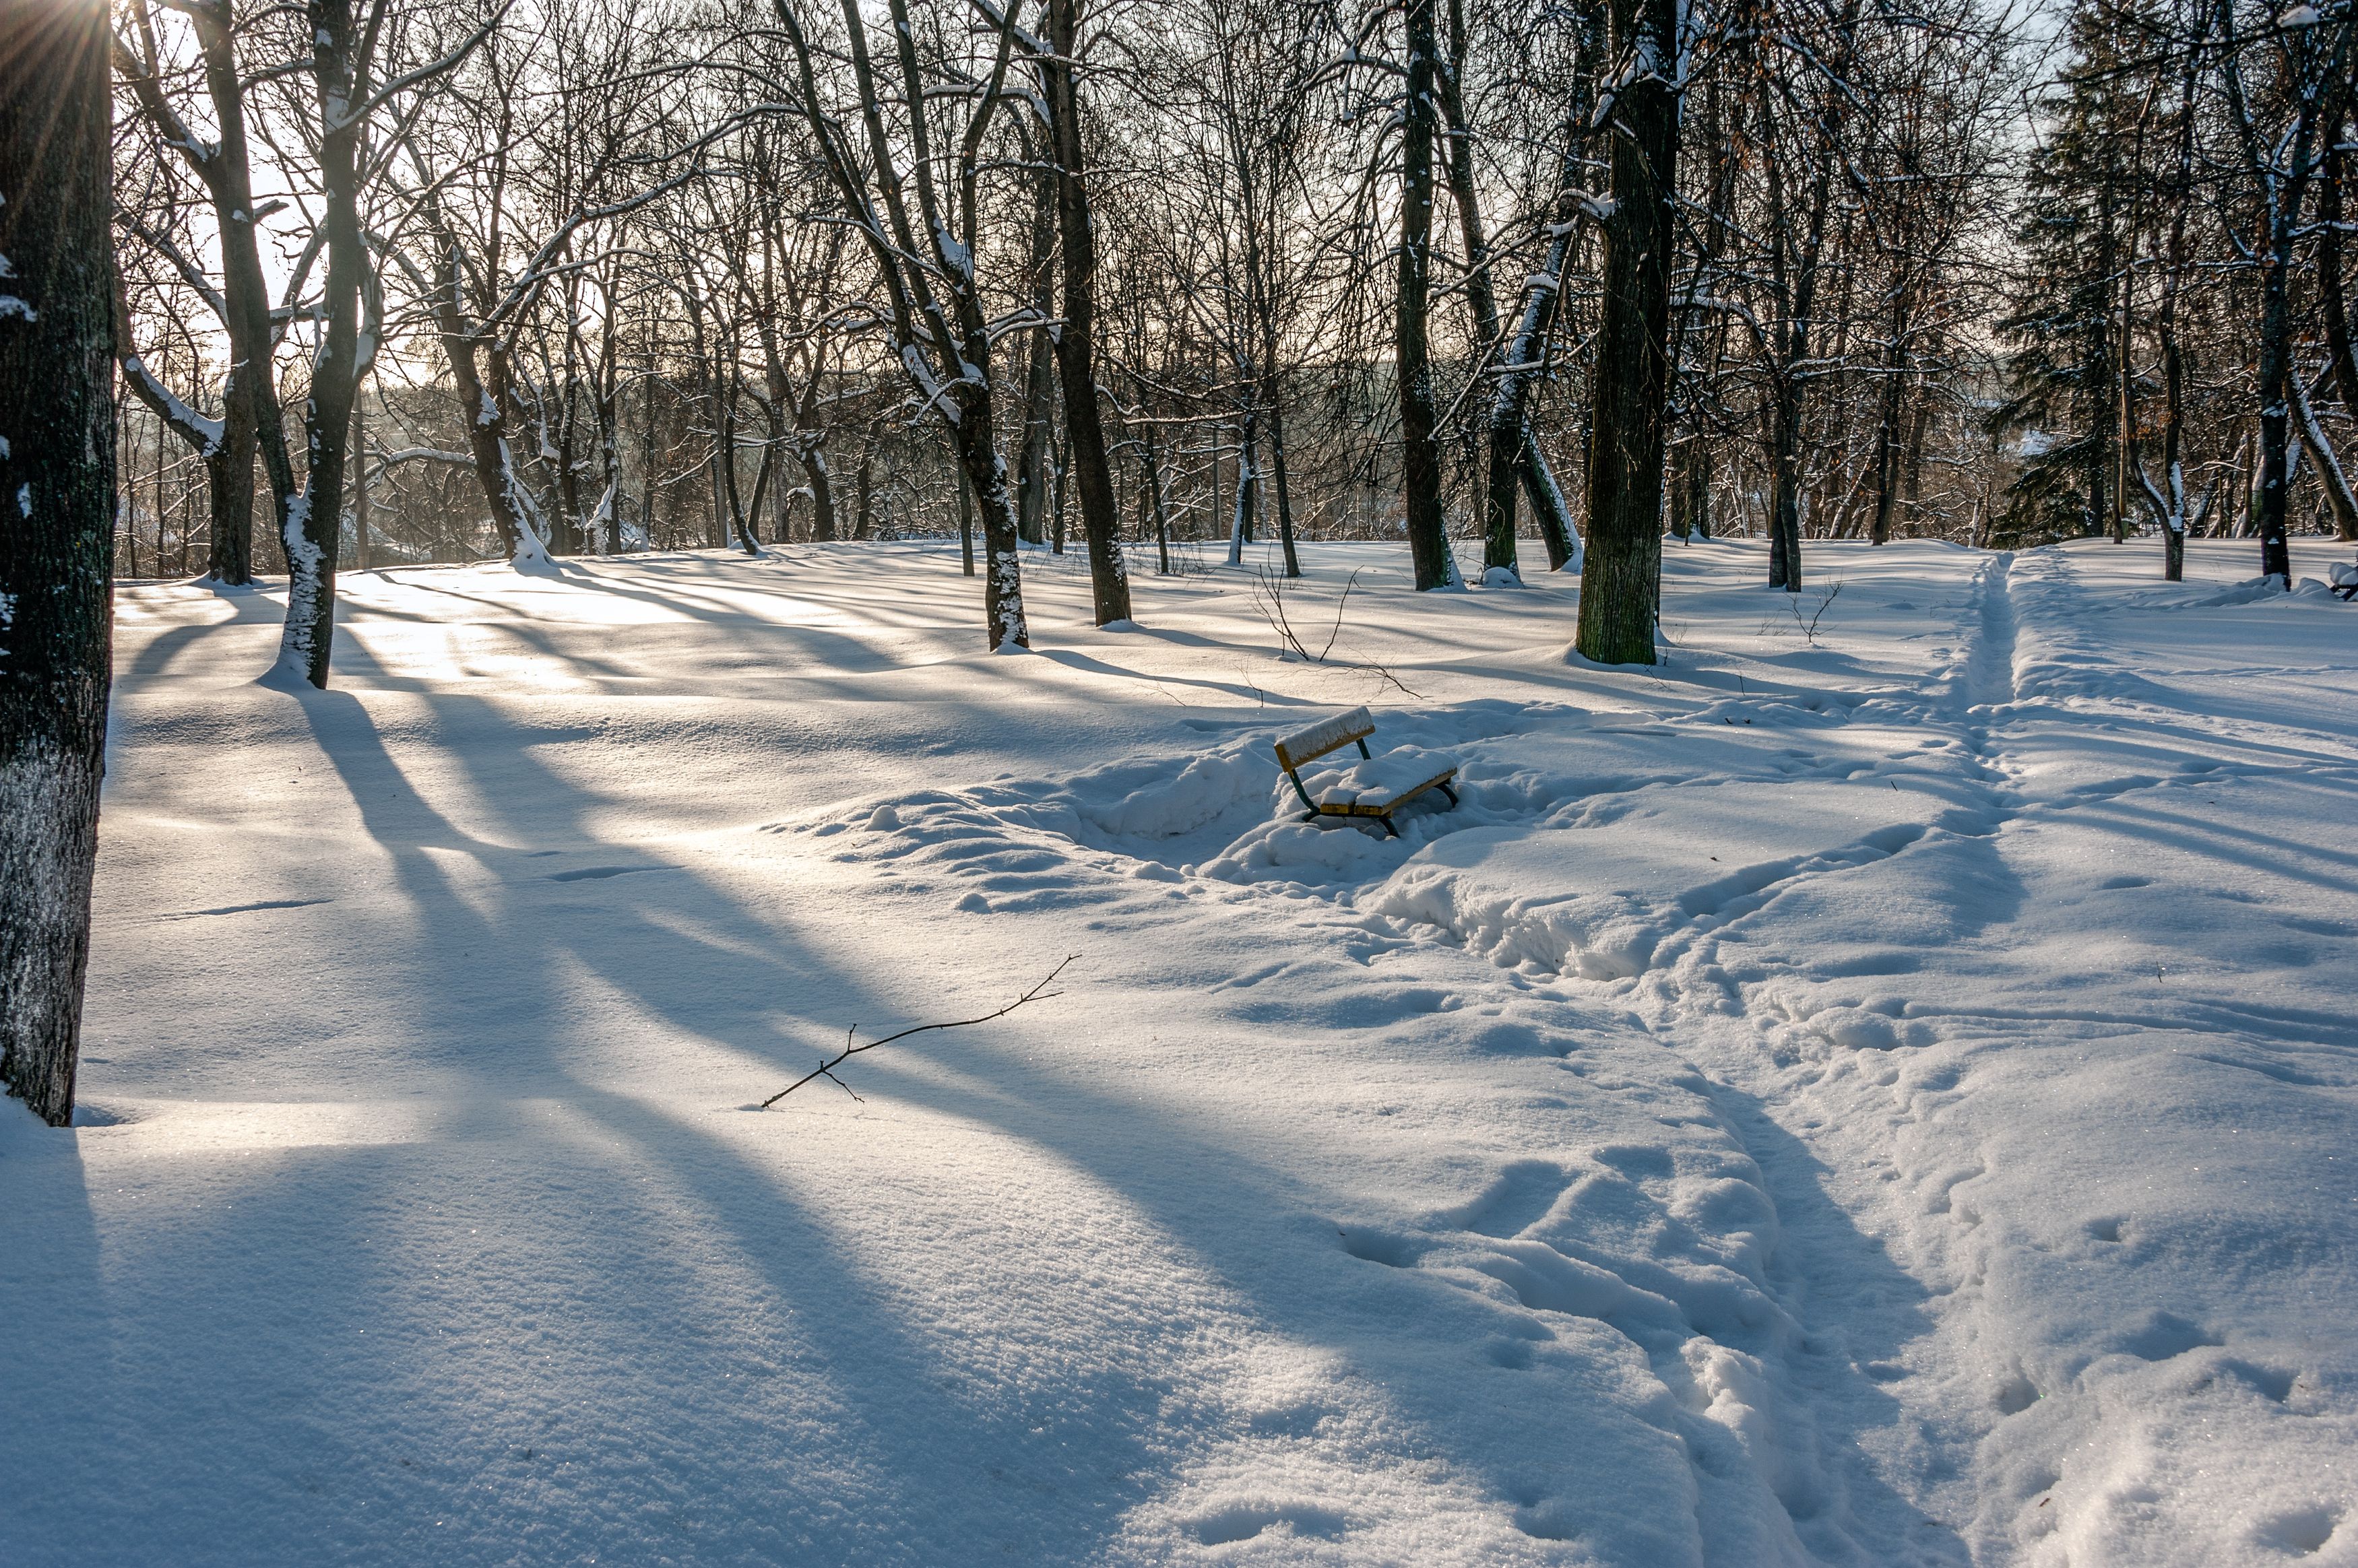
(934, 306)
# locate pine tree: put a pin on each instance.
(2062, 332)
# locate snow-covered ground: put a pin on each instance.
(1885, 1099)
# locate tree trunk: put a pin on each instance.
(1481, 299)
(1155, 496)
(1002, 588)
(1092, 469)
(1691, 488)
(1032, 458)
(864, 513)
(1030, 487)
(1887, 431)
(250, 417)
(965, 522)
(1620, 591)
(1240, 524)
(359, 489)
(2332, 301)
(610, 457)
(1060, 468)
(2338, 501)
(1784, 400)
(58, 471)
(2276, 395)
(1428, 535)
(482, 401)
(311, 532)
(1566, 552)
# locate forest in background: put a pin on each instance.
(677, 275)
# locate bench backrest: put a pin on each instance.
(1323, 738)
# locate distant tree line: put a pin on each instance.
(1140, 279)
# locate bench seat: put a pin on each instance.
(1374, 786)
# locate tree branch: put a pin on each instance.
(827, 1069)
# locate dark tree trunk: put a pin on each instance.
(249, 388)
(610, 457)
(58, 474)
(1059, 468)
(1161, 513)
(229, 477)
(1032, 458)
(312, 531)
(2276, 393)
(359, 489)
(863, 517)
(1481, 297)
(1887, 442)
(1691, 488)
(965, 522)
(1620, 591)
(1039, 388)
(1428, 537)
(741, 518)
(1277, 475)
(949, 364)
(782, 515)
(1785, 395)
(2332, 301)
(2108, 355)
(1248, 498)
(1092, 470)
(810, 441)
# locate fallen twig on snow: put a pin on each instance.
(827, 1069)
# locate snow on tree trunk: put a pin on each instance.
(310, 528)
(57, 481)
(1620, 594)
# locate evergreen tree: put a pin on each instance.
(2062, 331)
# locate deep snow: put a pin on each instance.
(1880, 1099)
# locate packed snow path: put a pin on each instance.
(1884, 1099)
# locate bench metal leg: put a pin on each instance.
(1447, 790)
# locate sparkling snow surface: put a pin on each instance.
(1882, 1100)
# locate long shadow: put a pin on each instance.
(1088, 665)
(65, 1399)
(1860, 1311)
(163, 649)
(906, 1416)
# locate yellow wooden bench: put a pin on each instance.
(1372, 787)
